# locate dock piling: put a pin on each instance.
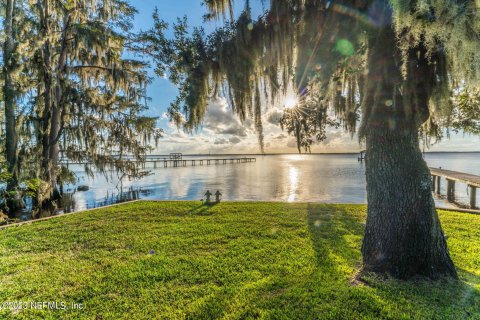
(473, 197)
(450, 190)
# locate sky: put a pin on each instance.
(222, 132)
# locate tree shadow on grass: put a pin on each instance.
(203, 209)
(299, 293)
(336, 237)
(322, 288)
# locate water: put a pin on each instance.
(333, 178)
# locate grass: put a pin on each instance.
(176, 260)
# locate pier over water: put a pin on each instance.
(471, 180)
(176, 160)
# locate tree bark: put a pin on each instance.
(45, 204)
(9, 90)
(14, 201)
(403, 236)
(54, 76)
(57, 105)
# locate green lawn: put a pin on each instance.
(162, 260)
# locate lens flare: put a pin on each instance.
(345, 47)
(290, 102)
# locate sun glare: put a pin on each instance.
(290, 102)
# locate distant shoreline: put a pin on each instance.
(280, 154)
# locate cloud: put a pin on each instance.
(292, 143)
(219, 120)
(234, 130)
(223, 132)
(234, 140)
(221, 141)
(273, 116)
(281, 136)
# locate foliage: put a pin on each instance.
(225, 62)
(37, 189)
(321, 48)
(466, 116)
(4, 176)
(233, 260)
(78, 96)
(66, 176)
(307, 124)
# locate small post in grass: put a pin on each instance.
(217, 196)
(208, 195)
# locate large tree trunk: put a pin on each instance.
(14, 203)
(57, 106)
(54, 78)
(46, 202)
(403, 236)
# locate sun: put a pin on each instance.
(290, 102)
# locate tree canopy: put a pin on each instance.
(75, 95)
(321, 48)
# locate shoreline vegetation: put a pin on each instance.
(239, 260)
(298, 154)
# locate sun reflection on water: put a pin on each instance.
(293, 187)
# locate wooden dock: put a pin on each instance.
(471, 180)
(194, 162)
(179, 162)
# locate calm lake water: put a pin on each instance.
(334, 178)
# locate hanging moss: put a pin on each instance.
(72, 65)
(320, 48)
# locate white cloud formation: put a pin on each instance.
(220, 120)
(223, 132)
(274, 115)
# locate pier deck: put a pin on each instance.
(471, 180)
(182, 162)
